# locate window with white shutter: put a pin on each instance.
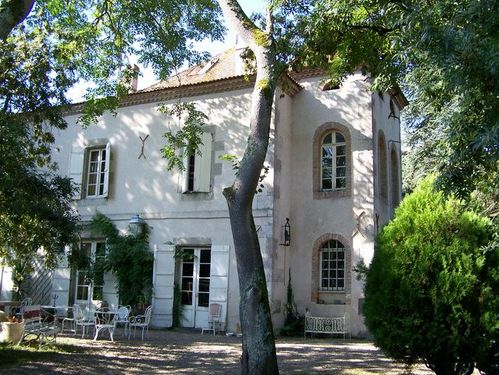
(196, 177)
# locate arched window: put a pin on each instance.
(395, 178)
(333, 162)
(332, 261)
(382, 167)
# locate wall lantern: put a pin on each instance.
(136, 225)
(286, 234)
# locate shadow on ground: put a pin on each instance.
(189, 352)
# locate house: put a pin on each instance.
(334, 179)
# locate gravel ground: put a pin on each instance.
(189, 352)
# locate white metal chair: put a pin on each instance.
(82, 320)
(122, 317)
(214, 317)
(63, 313)
(140, 321)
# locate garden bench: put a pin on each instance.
(35, 328)
(329, 325)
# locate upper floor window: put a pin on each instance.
(333, 162)
(332, 264)
(89, 169)
(196, 177)
(97, 176)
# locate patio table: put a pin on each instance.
(105, 320)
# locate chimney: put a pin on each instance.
(135, 79)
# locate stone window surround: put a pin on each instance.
(316, 256)
(319, 135)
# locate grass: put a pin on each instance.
(16, 354)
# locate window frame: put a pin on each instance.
(79, 167)
(319, 136)
(101, 172)
(333, 266)
(333, 156)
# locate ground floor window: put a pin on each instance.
(332, 262)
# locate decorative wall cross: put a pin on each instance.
(142, 147)
(358, 224)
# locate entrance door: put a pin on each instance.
(195, 286)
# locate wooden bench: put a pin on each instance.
(328, 325)
(35, 328)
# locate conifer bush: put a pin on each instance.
(429, 289)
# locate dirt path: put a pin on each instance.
(183, 352)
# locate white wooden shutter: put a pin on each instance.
(185, 175)
(163, 280)
(76, 169)
(107, 169)
(219, 277)
(202, 165)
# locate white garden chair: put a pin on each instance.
(82, 320)
(122, 317)
(214, 316)
(140, 321)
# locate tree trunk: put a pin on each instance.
(258, 351)
(12, 13)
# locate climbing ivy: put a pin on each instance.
(128, 257)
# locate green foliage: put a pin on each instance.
(128, 257)
(185, 141)
(428, 289)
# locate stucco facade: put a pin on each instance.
(197, 219)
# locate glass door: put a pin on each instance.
(195, 286)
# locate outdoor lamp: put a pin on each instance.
(286, 234)
(136, 224)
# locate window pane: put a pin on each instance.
(205, 256)
(187, 283)
(324, 284)
(203, 299)
(327, 185)
(186, 298)
(341, 284)
(340, 150)
(204, 285)
(327, 151)
(341, 254)
(339, 138)
(340, 172)
(341, 161)
(327, 139)
(204, 270)
(187, 269)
